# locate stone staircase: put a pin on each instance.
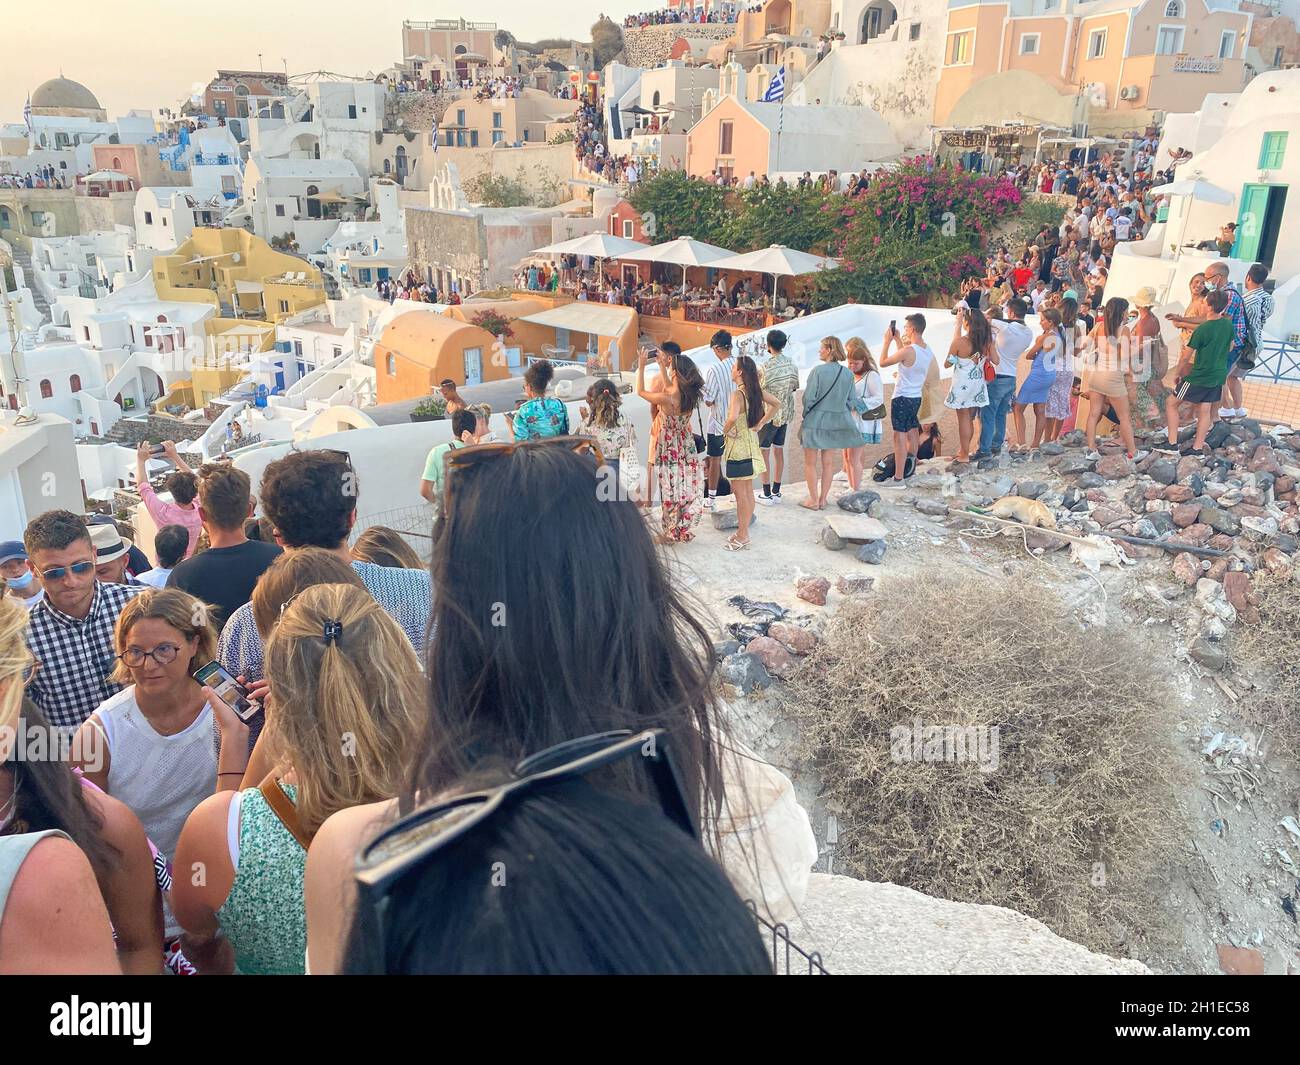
(23, 259)
(333, 290)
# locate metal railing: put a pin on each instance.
(1278, 363)
(788, 958)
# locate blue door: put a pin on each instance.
(279, 380)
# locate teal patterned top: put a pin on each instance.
(264, 916)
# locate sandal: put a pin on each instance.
(736, 545)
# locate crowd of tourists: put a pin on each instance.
(295, 709)
(672, 16)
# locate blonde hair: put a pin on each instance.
(14, 658)
(385, 547)
(857, 347)
(291, 573)
(836, 348)
(180, 610)
(346, 711)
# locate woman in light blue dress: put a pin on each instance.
(828, 423)
(1047, 352)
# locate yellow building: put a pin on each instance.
(252, 286)
(1120, 61)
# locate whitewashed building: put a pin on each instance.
(304, 196)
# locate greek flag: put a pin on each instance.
(435, 136)
(776, 88)
(27, 111)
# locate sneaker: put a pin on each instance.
(708, 501)
(776, 497)
(1241, 412)
(842, 477)
(976, 456)
(1164, 447)
(1199, 452)
(1092, 455)
(1227, 412)
(767, 501)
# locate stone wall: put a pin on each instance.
(649, 46)
(445, 240)
(97, 214)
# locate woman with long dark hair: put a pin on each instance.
(678, 466)
(748, 410)
(1058, 395)
(605, 422)
(582, 634)
(1110, 383)
(972, 346)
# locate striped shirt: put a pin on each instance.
(780, 379)
(405, 594)
(718, 387)
(76, 655)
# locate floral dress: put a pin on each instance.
(681, 477)
(968, 389)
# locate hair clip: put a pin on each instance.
(332, 631)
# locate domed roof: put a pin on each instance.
(63, 92)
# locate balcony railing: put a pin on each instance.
(747, 318)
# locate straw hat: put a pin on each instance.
(109, 544)
(1145, 297)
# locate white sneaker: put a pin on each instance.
(1227, 412)
(1241, 412)
(767, 501)
(708, 501)
(842, 477)
(777, 497)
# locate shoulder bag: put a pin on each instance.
(280, 805)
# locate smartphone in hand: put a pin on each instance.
(228, 690)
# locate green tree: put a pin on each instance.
(606, 41)
(673, 204)
(804, 219)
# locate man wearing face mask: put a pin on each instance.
(1216, 279)
(21, 583)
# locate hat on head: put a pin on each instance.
(1145, 297)
(109, 544)
(11, 551)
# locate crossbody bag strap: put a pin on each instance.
(280, 805)
(839, 370)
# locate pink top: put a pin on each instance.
(172, 514)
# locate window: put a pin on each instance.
(1097, 44)
(473, 138)
(1278, 53)
(627, 228)
(338, 352)
(496, 120)
(74, 382)
(498, 137)
(725, 130)
(228, 183)
(297, 348)
(392, 365)
(47, 390)
(1174, 9)
(460, 117)
(148, 218)
(284, 306)
(1029, 43)
(1169, 40)
(959, 48)
(526, 135)
(1227, 44)
(914, 32)
(352, 110)
(279, 210)
(1272, 151)
(164, 220)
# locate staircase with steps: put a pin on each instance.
(23, 259)
(333, 290)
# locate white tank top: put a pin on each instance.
(911, 379)
(161, 778)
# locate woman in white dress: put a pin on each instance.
(971, 348)
(867, 397)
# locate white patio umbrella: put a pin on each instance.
(684, 252)
(1196, 189)
(779, 261)
(599, 246)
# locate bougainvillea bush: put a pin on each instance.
(915, 234)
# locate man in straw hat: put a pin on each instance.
(112, 555)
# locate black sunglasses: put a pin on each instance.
(407, 845)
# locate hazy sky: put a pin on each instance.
(148, 53)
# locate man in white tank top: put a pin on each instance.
(913, 360)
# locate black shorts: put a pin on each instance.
(715, 445)
(772, 436)
(738, 469)
(1190, 393)
(903, 411)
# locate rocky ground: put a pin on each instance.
(1208, 529)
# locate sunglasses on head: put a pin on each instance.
(57, 573)
(407, 845)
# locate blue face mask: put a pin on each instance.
(19, 583)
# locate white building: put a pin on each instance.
(304, 196)
(359, 254)
(333, 120)
(1251, 156)
(674, 92)
(165, 217)
(889, 60)
(38, 470)
(87, 264)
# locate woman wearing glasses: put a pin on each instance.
(338, 666)
(150, 745)
(533, 649)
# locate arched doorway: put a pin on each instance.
(877, 19)
(74, 382)
(401, 163)
(47, 389)
(313, 204)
